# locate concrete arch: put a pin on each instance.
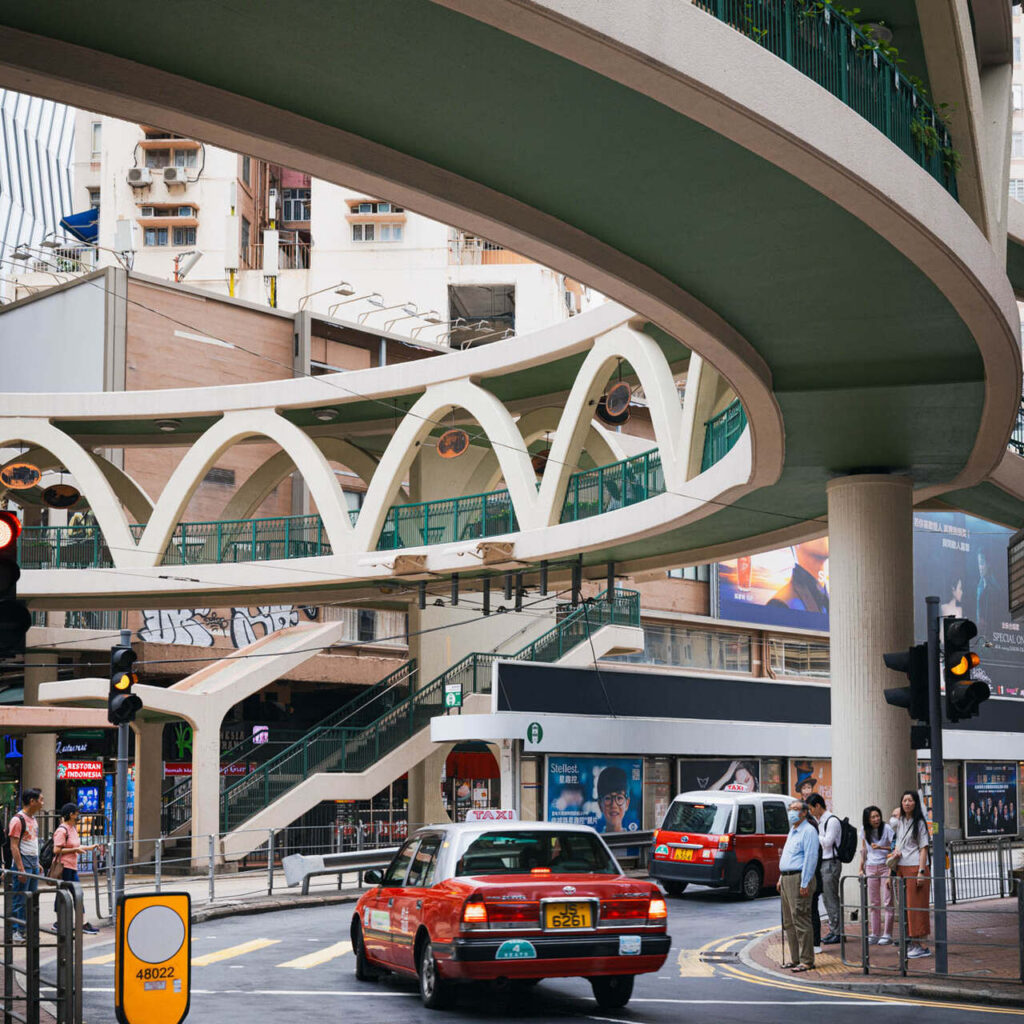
(93, 483)
(436, 403)
(235, 427)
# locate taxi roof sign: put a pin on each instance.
(153, 960)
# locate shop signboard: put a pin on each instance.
(734, 775)
(807, 776)
(990, 798)
(79, 770)
(177, 769)
(604, 792)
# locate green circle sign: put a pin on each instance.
(534, 733)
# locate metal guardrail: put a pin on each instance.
(35, 981)
(1017, 437)
(984, 868)
(868, 958)
(721, 433)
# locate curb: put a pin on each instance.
(269, 905)
(922, 990)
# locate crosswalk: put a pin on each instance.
(315, 958)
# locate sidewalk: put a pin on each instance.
(986, 973)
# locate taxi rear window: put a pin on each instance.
(516, 852)
(702, 818)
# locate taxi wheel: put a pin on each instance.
(750, 884)
(435, 992)
(674, 888)
(365, 971)
(612, 991)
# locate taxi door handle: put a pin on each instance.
(769, 844)
(391, 902)
(419, 904)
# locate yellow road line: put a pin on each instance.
(794, 986)
(320, 956)
(691, 965)
(107, 959)
(233, 951)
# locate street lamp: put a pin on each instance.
(409, 307)
(344, 288)
(373, 297)
(431, 316)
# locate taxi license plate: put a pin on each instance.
(682, 854)
(567, 915)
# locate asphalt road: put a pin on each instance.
(297, 964)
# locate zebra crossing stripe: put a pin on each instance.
(319, 956)
(232, 951)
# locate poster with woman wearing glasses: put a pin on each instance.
(603, 792)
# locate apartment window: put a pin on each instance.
(246, 169)
(391, 232)
(1016, 49)
(94, 198)
(367, 626)
(362, 232)
(157, 158)
(369, 206)
(184, 236)
(296, 203)
(96, 134)
(691, 647)
(1018, 97)
(697, 573)
(1018, 144)
(799, 658)
(184, 158)
(155, 236)
(245, 236)
(220, 476)
(1017, 189)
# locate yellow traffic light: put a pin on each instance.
(965, 664)
(125, 682)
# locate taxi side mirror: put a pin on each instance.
(373, 877)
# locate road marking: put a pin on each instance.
(319, 956)
(290, 992)
(233, 951)
(108, 959)
(793, 986)
(691, 965)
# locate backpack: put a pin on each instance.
(5, 849)
(846, 847)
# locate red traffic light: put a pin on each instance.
(10, 530)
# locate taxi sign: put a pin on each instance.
(491, 814)
(154, 954)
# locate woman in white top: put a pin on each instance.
(876, 839)
(912, 841)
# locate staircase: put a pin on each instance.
(377, 723)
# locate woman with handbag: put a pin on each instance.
(876, 841)
(66, 847)
(910, 860)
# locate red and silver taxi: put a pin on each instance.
(509, 902)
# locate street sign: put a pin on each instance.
(453, 695)
(153, 959)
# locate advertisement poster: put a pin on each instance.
(788, 587)
(990, 798)
(606, 793)
(963, 560)
(733, 775)
(807, 776)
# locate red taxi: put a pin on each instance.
(509, 902)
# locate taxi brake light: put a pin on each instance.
(724, 842)
(540, 871)
(657, 909)
(474, 913)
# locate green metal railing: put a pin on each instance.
(1017, 437)
(447, 520)
(721, 432)
(813, 37)
(355, 747)
(606, 488)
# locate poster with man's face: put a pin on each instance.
(807, 776)
(736, 775)
(605, 793)
(990, 798)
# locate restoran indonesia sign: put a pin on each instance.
(79, 770)
(174, 769)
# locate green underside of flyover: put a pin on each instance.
(987, 501)
(866, 354)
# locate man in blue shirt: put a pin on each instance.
(796, 884)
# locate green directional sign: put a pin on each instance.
(534, 732)
(453, 695)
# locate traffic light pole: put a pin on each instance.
(938, 788)
(121, 799)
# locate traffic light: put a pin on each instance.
(963, 694)
(913, 663)
(122, 704)
(14, 616)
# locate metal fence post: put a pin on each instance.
(8, 949)
(1001, 869)
(32, 957)
(270, 863)
(901, 917)
(212, 847)
(1020, 927)
(158, 857)
(864, 921)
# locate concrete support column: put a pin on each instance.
(39, 750)
(205, 789)
(871, 583)
(149, 770)
(425, 804)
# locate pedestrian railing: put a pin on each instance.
(1017, 437)
(721, 433)
(984, 942)
(42, 975)
(984, 868)
(845, 58)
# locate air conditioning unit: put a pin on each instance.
(175, 176)
(140, 177)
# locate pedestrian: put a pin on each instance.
(910, 856)
(24, 833)
(66, 847)
(799, 859)
(830, 832)
(876, 839)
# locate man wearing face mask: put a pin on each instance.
(796, 884)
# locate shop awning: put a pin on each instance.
(84, 226)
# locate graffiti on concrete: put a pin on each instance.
(199, 627)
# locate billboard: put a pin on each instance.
(787, 587)
(606, 793)
(963, 561)
(732, 774)
(807, 776)
(990, 798)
